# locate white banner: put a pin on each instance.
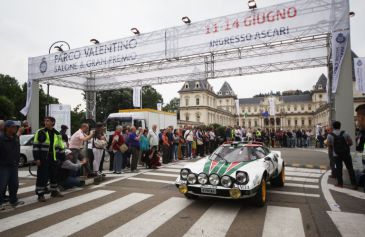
(339, 44)
(25, 110)
(272, 107)
(62, 114)
(159, 106)
(286, 21)
(237, 107)
(359, 68)
(137, 96)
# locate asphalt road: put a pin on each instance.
(148, 204)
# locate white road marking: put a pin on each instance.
(349, 224)
(303, 174)
(302, 185)
(26, 189)
(307, 170)
(148, 222)
(283, 221)
(294, 193)
(152, 180)
(26, 174)
(29, 216)
(79, 222)
(215, 221)
(327, 194)
(305, 180)
(161, 174)
(169, 170)
(347, 191)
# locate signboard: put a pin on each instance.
(62, 114)
(281, 22)
(359, 68)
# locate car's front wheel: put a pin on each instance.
(22, 160)
(260, 197)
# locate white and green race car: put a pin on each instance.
(235, 170)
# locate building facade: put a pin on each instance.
(293, 109)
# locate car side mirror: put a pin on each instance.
(267, 158)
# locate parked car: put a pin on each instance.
(26, 149)
(236, 170)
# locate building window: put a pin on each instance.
(310, 122)
(197, 85)
(295, 108)
(197, 101)
(186, 86)
(302, 107)
(255, 109)
(309, 107)
(187, 117)
(219, 92)
(296, 122)
(289, 122)
(187, 101)
(198, 117)
(320, 96)
(303, 122)
(256, 123)
(220, 102)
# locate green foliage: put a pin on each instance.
(172, 106)
(112, 101)
(77, 117)
(6, 108)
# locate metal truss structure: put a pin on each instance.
(310, 52)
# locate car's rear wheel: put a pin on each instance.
(191, 196)
(22, 160)
(280, 180)
(260, 197)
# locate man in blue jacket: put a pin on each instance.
(9, 160)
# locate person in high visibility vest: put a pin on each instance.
(258, 135)
(48, 151)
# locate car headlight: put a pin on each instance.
(202, 178)
(184, 173)
(214, 179)
(191, 178)
(242, 177)
(226, 181)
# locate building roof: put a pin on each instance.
(226, 90)
(196, 85)
(322, 82)
(297, 98)
(254, 100)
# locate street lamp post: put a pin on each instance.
(58, 47)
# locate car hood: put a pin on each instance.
(219, 167)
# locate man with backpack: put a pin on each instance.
(339, 144)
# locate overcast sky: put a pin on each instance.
(29, 27)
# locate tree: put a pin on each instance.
(11, 92)
(77, 117)
(112, 101)
(172, 106)
(6, 108)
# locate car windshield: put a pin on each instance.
(237, 153)
(23, 140)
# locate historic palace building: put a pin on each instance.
(199, 104)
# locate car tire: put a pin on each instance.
(261, 195)
(191, 196)
(280, 180)
(22, 160)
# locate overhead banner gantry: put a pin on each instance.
(288, 36)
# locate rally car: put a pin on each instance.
(234, 171)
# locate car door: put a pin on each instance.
(29, 149)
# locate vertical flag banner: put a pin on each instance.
(359, 68)
(237, 102)
(272, 107)
(25, 110)
(339, 44)
(159, 106)
(137, 96)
